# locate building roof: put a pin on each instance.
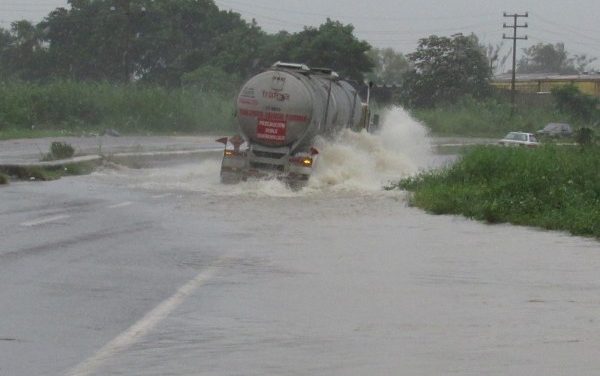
(548, 77)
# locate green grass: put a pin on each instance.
(46, 173)
(9, 134)
(552, 187)
(488, 118)
(75, 108)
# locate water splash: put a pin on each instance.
(357, 162)
(365, 161)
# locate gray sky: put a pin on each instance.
(400, 23)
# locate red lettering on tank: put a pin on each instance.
(277, 116)
(250, 102)
(297, 118)
(270, 130)
(273, 116)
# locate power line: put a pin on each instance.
(562, 34)
(421, 31)
(572, 29)
(253, 5)
(363, 31)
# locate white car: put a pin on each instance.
(519, 139)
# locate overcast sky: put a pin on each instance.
(400, 23)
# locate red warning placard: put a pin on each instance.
(270, 130)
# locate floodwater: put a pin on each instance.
(344, 278)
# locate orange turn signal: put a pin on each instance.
(304, 161)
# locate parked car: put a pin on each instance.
(556, 130)
(519, 139)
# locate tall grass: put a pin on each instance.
(488, 117)
(550, 187)
(91, 107)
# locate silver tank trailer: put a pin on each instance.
(289, 104)
(280, 111)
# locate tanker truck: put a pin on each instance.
(280, 112)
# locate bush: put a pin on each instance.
(60, 150)
(550, 187)
(3, 179)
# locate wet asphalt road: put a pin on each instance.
(164, 272)
(79, 262)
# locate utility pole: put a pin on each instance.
(514, 38)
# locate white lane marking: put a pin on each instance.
(40, 221)
(120, 205)
(162, 196)
(130, 336)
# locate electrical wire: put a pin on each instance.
(361, 17)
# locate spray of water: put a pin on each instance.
(366, 162)
(359, 162)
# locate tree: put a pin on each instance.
(158, 41)
(495, 59)
(445, 69)
(549, 58)
(181, 36)
(6, 45)
(333, 45)
(390, 66)
(212, 79)
(582, 62)
(21, 50)
(238, 50)
(571, 100)
(85, 42)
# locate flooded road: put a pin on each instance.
(341, 278)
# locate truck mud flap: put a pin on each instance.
(232, 176)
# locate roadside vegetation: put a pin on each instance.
(45, 173)
(59, 150)
(3, 179)
(76, 108)
(551, 187)
(489, 117)
(492, 116)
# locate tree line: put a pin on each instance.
(193, 42)
(166, 42)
